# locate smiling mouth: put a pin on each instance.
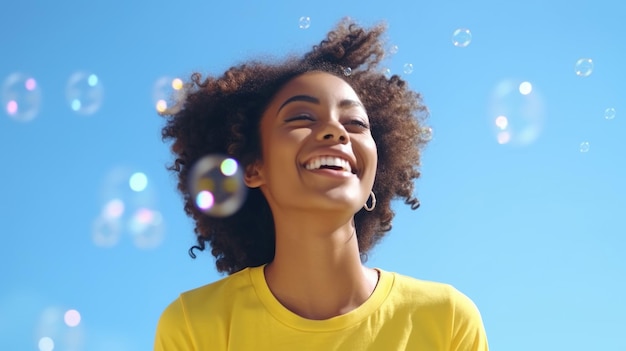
(330, 163)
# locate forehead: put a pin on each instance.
(322, 85)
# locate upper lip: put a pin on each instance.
(333, 153)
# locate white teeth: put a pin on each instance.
(317, 162)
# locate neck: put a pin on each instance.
(317, 271)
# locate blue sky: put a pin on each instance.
(531, 228)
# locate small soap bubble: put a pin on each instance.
(525, 88)
(393, 49)
(106, 230)
(138, 181)
(72, 318)
(216, 183)
(168, 95)
(583, 67)
(114, 209)
(584, 146)
(408, 68)
(46, 344)
(609, 113)
(461, 37)
(84, 93)
(386, 72)
(21, 97)
(502, 122)
(517, 116)
(147, 228)
(426, 133)
(304, 22)
(347, 71)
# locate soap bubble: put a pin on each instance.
(609, 113)
(426, 133)
(386, 72)
(304, 22)
(347, 71)
(168, 95)
(461, 37)
(583, 67)
(393, 49)
(408, 68)
(516, 112)
(216, 183)
(584, 146)
(525, 88)
(72, 318)
(21, 97)
(129, 204)
(46, 344)
(146, 227)
(84, 93)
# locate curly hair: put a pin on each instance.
(221, 115)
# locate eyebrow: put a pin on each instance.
(307, 98)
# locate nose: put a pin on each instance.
(333, 130)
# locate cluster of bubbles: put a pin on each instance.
(21, 95)
(128, 208)
(584, 68)
(217, 186)
(59, 329)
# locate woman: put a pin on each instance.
(326, 142)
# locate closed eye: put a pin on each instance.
(300, 118)
(359, 123)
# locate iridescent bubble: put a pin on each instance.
(583, 67)
(138, 181)
(46, 344)
(72, 318)
(516, 116)
(609, 113)
(21, 97)
(84, 93)
(168, 95)
(393, 49)
(114, 209)
(304, 22)
(584, 146)
(216, 183)
(127, 202)
(106, 230)
(347, 71)
(461, 37)
(426, 133)
(52, 325)
(147, 228)
(408, 68)
(525, 88)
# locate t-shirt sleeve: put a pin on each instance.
(468, 331)
(172, 333)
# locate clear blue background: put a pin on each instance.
(533, 233)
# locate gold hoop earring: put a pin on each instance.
(373, 205)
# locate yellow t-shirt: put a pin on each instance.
(239, 312)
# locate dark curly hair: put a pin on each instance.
(221, 115)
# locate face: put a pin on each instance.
(317, 148)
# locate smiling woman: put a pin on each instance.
(327, 142)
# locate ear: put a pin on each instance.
(252, 175)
